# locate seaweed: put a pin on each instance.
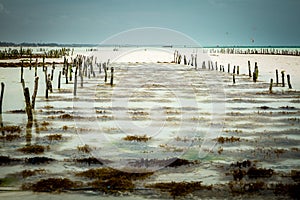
(84, 149)
(113, 185)
(295, 174)
(66, 116)
(16, 111)
(11, 129)
(291, 190)
(44, 123)
(180, 162)
(10, 137)
(54, 137)
(107, 173)
(27, 173)
(245, 163)
(259, 172)
(89, 161)
(226, 139)
(33, 149)
(38, 160)
(142, 138)
(6, 160)
(240, 187)
(179, 188)
(52, 185)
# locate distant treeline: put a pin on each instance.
(14, 53)
(26, 44)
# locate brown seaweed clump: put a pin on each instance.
(179, 188)
(27, 173)
(52, 185)
(33, 149)
(226, 139)
(137, 138)
(6, 160)
(54, 137)
(10, 129)
(84, 149)
(10, 137)
(38, 160)
(110, 180)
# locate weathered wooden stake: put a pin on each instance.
(35, 68)
(36, 85)
(46, 83)
(282, 77)
(289, 81)
(196, 61)
(59, 78)
(228, 68)
(105, 71)
(111, 76)
(22, 71)
(184, 60)
(1, 96)
(238, 70)
(276, 77)
(216, 65)
(28, 104)
(271, 85)
(233, 78)
(75, 83)
(249, 68)
(66, 72)
(233, 69)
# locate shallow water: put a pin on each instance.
(183, 110)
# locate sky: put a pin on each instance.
(208, 22)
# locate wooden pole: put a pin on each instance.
(46, 83)
(289, 81)
(75, 83)
(66, 72)
(282, 77)
(35, 68)
(249, 68)
(112, 76)
(105, 71)
(271, 85)
(36, 85)
(238, 70)
(196, 61)
(28, 105)
(59, 78)
(184, 60)
(228, 68)
(1, 96)
(216, 65)
(22, 71)
(233, 69)
(233, 78)
(276, 77)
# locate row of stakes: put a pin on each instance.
(83, 68)
(236, 69)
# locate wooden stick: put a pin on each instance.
(271, 85)
(111, 76)
(22, 71)
(282, 77)
(35, 68)
(66, 72)
(238, 70)
(59, 78)
(276, 77)
(233, 69)
(46, 83)
(228, 68)
(75, 82)
(1, 96)
(28, 105)
(289, 81)
(105, 71)
(36, 85)
(249, 68)
(233, 78)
